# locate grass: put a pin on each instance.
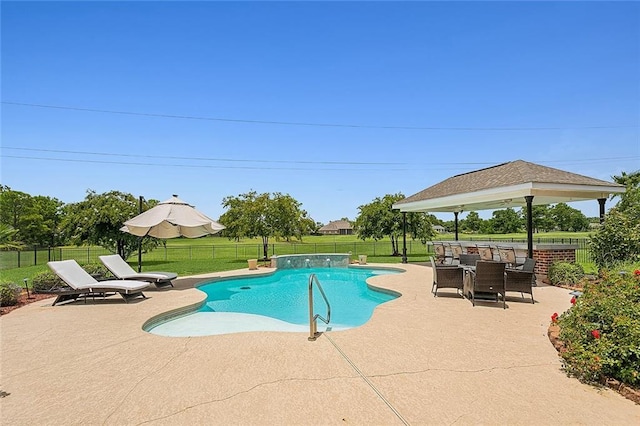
(214, 253)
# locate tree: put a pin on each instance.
(7, 240)
(264, 215)
(420, 226)
(97, 220)
(35, 219)
(630, 181)
(378, 220)
(567, 218)
(506, 221)
(541, 219)
(472, 222)
(449, 225)
(618, 239)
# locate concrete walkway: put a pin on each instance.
(419, 360)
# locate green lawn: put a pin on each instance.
(211, 254)
(328, 239)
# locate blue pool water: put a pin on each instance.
(280, 302)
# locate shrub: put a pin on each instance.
(602, 330)
(565, 273)
(46, 281)
(618, 239)
(9, 293)
(97, 269)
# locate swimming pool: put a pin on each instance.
(279, 302)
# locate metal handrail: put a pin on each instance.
(313, 324)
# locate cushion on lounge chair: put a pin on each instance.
(121, 270)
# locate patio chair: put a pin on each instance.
(529, 265)
(488, 280)
(469, 259)
(519, 280)
(122, 271)
(441, 252)
(446, 277)
(83, 284)
(485, 252)
(456, 251)
(508, 256)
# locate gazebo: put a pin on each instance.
(513, 184)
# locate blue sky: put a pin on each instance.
(334, 103)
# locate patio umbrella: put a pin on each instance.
(171, 219)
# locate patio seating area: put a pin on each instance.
(475, 278)
(412, 363)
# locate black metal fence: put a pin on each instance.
(89, 254)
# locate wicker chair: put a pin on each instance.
(441, 253)
(456, 251)
(446, 277)
(485, 251)
(519, 281)
(488, 279)
(508, 256)
(469, 259)
(529, 265)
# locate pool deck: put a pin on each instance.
(419, 360)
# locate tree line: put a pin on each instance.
(27, 220)
(558, 217)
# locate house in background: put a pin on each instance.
(439, 229)
(337, 227)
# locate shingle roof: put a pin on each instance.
(502, 175)
(336, 225)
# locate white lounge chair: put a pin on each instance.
(122, 271)
(83, 284)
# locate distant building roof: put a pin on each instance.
(336, 225)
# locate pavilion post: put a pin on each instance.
(601, 201)
(456, 223)
(529, 199)
(404, 237)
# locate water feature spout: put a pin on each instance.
(328, 262)
(306, 261)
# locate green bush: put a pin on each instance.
(97, 269)
(602, 330)
(565, 273)
(46, 281)
(618, 239)
(9, 293)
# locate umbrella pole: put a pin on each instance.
(140, 254)
(140, 239)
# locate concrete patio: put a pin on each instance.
(419, 360)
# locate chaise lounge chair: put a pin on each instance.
(122, 271)
(83, 284)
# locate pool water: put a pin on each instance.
(280, 302)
